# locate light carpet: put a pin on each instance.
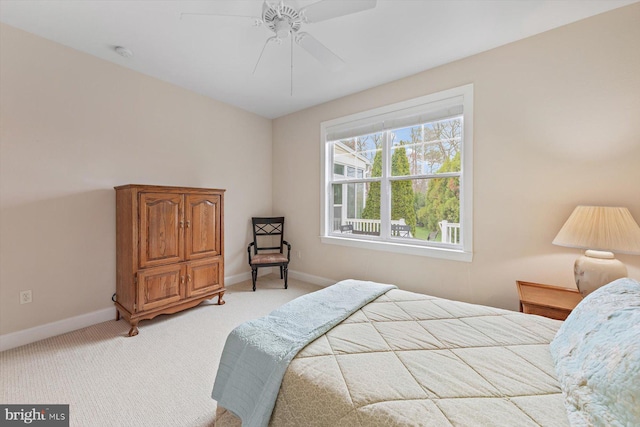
(162, 377)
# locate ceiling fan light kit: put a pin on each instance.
(281, 19)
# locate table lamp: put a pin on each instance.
(601, 230)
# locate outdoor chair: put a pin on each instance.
(348, 229)
(268, 247)
(398, 230)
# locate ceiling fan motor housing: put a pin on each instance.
(282, 19)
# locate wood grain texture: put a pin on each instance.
(160, 286)
(161, 229)
(127, 249)
(546, 300)
(202, 221)
(203, 276)
(169, 249)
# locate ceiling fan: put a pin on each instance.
(285, 20)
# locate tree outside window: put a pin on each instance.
(399, 174)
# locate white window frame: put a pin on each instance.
(461, 252)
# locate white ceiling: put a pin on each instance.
(215, 55)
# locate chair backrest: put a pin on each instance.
(400, 230)
(264, 230)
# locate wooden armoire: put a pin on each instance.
(169, 249)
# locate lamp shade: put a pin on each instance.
(600, 228)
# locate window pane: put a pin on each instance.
(370, 142)
(355, 210)
(361, 153)
(426, 209)
(355, 200)
(429, 149)
(360, 199)
(351, 200)
(406, 145)
(400, 165)
(337, 215)
(406, 136)
(337, 194)
(442, 146)
(337, 206)
(338, 169)
(367, 209)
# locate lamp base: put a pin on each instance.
(597, 268)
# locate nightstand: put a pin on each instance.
(546, 300)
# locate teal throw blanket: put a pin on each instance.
(257, 353)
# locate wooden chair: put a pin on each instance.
(266, 232)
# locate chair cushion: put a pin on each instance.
(268, 258)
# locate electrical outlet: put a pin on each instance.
(25, 297)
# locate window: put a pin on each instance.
(399, 179)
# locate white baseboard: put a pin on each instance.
(309, 278)
(237, 278)
(37, 333)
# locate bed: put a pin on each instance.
(404, 358)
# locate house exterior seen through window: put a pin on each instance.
(399, 178)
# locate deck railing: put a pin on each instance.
(450, 232)
(369, 226)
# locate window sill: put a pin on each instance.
(428, 251)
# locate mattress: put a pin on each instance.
(412, 359)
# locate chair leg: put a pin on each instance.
(286, 275)
(281, 276)
(254, 277)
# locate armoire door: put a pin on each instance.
(161, 229)
(202, 226)
(160, 286)
(203, 276)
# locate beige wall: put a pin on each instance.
(74, 126)
(557, 124)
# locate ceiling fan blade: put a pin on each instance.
(270, 39)
(319, 51)
(327, 9)
(234, 15)
(182, 14)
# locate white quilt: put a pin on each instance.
(408, 359)
(597, 356)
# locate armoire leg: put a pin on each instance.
(134, 329)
